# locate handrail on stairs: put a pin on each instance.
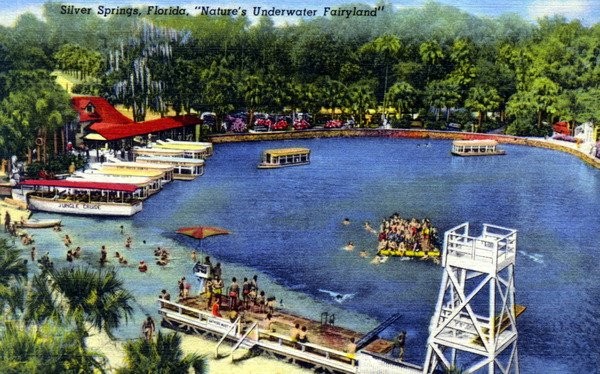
(241, 340)
(233, 326)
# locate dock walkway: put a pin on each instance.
(325, 348)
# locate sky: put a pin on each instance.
(588, 11)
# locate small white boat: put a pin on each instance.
(281, 157)
(484, 147)
(34, 223)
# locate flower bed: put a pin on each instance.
(333, 124)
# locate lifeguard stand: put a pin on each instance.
(474, 326)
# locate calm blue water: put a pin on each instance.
(286, 227)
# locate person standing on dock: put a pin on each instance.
(217, 286)
(246, 292)
(302, 335)
(234, 291)
(181, 285)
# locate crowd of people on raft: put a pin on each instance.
(397, 234)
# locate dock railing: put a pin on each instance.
(225, 335)
(194, 319)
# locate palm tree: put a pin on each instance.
(45, 348)
(402, 96)
(441, 94)
(388, 47)
(161, 356)
(482, 99)
(431, 55)
(253, 89)
(82, 296)
(361, 99)
(333, 93)
(13, 270)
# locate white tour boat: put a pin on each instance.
(484, 147)
(184, 168)
(83, 198)
(281, 157)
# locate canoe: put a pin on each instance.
(39, 223)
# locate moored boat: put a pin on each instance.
(190, 149)
(130, 165)
(34, 223)
(147, 186)
(141, 151)
(484, 147)
(282, 157)
(82, 198)
(183, 168)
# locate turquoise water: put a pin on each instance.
(286, 227)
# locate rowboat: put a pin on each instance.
(34, 223)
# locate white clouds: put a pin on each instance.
(569, 8)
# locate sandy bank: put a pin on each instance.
(113, 350)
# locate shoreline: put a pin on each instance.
(567, 147)
(240, 364)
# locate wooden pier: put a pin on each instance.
(324, 350)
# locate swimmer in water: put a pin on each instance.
(349, 246)
(346, 221)
(364, 254)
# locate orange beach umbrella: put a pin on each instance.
(201, 232)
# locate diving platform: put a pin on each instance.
(474, 324)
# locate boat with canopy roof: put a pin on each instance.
(81, 197)
(281, 157)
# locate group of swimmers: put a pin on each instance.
(397, 234)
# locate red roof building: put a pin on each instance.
(99, 120)
(97, 109)
(111, 131)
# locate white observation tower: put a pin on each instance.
(474, 329)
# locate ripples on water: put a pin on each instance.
(286, 226)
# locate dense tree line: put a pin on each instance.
(416, 61)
